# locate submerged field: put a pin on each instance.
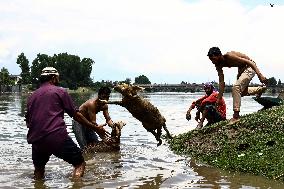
(254, 145)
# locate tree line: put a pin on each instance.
(74, 71)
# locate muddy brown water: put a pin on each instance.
(139, 163)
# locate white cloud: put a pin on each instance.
(166, 40)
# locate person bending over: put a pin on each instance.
(86, 136)
(246, 71)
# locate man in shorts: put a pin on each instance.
(207, 106)
(89, 109)
(246, 71)
(46, 127)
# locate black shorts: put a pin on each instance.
(69, 152)
(213, 115)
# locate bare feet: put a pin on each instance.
(79, 170)
(199, 126)
(233, 120)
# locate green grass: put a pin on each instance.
(254, 145)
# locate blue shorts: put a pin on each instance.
(68, 151)
(84, 135)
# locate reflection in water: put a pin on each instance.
(209, 176)
(40, 184)
(139, 163)
(152, 182)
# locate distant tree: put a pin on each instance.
(142, 79)
(127, 81)
(69, 69)
(4, 77)
(40, 62)
(73, 72)
(279, 82)
(272, 82)
(24, 65)
(86, 70)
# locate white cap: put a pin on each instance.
(49, 71)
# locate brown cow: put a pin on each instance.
(108, 144)
(142, 109)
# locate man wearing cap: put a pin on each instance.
(207, 106)
(246, 71)
(46, 127)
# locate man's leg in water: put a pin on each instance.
(40, 159)
(39, 173)
(79, 170)
(72, 154)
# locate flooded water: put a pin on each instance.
(139, 163)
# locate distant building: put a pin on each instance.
(15, 79)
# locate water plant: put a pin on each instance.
(254, 145)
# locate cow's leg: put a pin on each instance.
(157, 134)
(167, 131)
(158, 137)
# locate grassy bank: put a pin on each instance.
(253, 145)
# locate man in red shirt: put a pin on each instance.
(207, 106)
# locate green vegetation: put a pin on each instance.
(142, 79)
(4, 77)
(254, 145)
(23, 62)
(74, 71)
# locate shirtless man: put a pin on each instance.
(89, 109)
(246, 71)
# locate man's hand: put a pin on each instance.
(100, 130)
(188, 115)
(105, 135)
(263, 80)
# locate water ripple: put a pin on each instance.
(139, 163)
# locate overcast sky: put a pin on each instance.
(166, 40)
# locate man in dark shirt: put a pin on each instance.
(47, 130)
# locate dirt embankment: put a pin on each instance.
(254, 145)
